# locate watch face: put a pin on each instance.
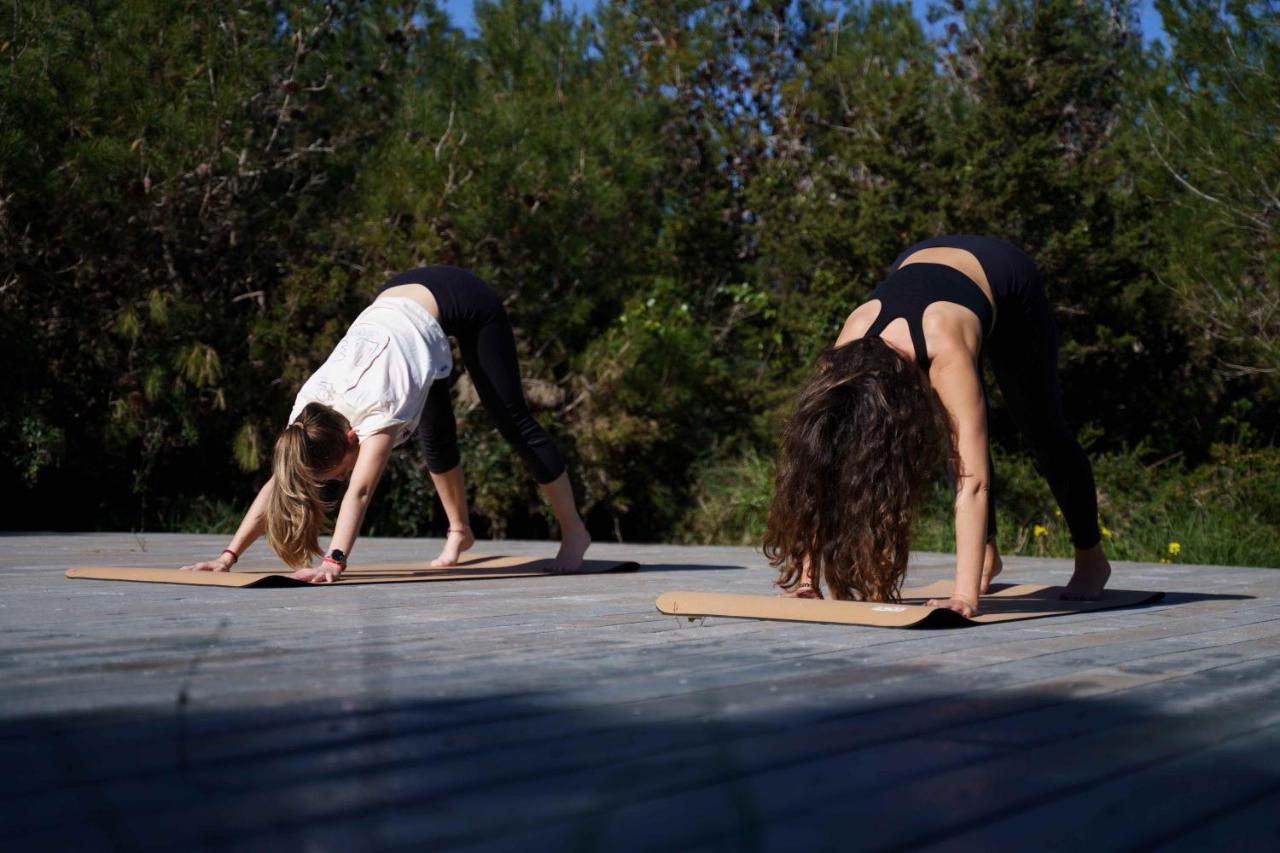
(337, 555)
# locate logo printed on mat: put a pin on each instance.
(886, 608)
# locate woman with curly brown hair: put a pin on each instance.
(900, 393)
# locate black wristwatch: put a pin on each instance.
(337, 556)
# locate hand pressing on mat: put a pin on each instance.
(329, 570)
(964, 607)
(222, 564)
(253, 526)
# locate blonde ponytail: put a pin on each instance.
(297, 511)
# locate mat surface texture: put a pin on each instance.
(1005, 603)
(477, 567)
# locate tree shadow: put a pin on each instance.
(531, 770)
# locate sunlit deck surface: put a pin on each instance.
(567, 713)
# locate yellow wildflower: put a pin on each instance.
(1106, 532)
(1164, 559)
(1175, 548)
(1038, 531)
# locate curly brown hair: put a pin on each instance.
(867, 435)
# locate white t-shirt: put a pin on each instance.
(379, 373)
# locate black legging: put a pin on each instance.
(472, 313)
(1024, 357)
(1023, 349)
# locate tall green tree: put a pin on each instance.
(1211, 136)
(679, 202)
(163, 165)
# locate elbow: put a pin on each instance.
(972, 488)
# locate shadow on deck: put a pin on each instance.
(1001, 768)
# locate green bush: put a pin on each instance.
(680, 202)
(1225, 512)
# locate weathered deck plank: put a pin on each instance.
(559, 712)
(1202, 783)
(1251, 828)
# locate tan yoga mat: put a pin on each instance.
(1005, 603)
(476, 567)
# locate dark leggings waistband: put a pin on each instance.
(472, 313)
(464, 299)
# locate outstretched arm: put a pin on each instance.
(253, 526)
(370, 463)
(959, 385)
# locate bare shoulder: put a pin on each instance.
(857, 323)
(955, 346)
(954, 334)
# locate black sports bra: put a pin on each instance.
(909, 290)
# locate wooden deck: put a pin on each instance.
(567, 714)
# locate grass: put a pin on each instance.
(1225, 512)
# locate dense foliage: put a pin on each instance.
(679, 199)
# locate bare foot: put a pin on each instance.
(573, 546)
(992, 565)
(1090, 577)
(458, 540)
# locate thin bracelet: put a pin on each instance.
(235, 558)
(335, 562)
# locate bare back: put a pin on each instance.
(416, 292)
